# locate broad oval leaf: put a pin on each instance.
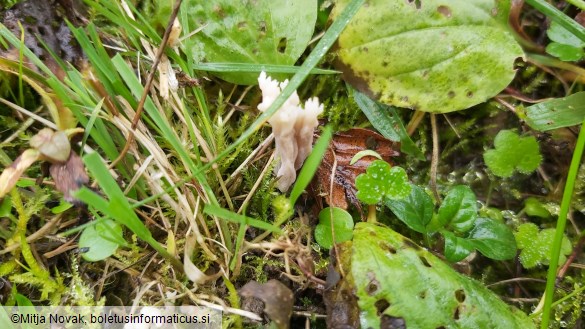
(342, 227)
(493, 239)
(416, 210)
(101, 239)
(459, 209)
(260, 32)
(398, 282)
(456, 248)
(432, 56)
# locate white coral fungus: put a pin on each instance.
(292, 127)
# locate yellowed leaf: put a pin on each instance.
(11, 174)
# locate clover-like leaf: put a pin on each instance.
(536, 245)
(342, 227)
(564, 52)
(381, 180)
(559, 34)
(512, 152)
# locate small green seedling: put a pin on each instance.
(342, 227)
(565, 45)
(533, 207)
(512, 152)
(382, 181)
(457, 221)
(535, 245)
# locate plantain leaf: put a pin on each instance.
(432, 56)
(399, 284)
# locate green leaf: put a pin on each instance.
(536, 245)
(256, 32)
(456, 248)
(560, 35)
(6, 206)
(342, 227)
(256, 68)
(564, 52)
(385, 119)
(432, 56)
(557, 113)
(63, 206)
(416, 210)
(533, 207)
(459, 209)
(380, 180)
(101, 239)
(241, 219)
(493, 239)
(398, 281)
(512, 152)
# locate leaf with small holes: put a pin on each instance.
(400, 283)
(431, 55)
(256, 32)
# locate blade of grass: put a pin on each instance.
(311, 164)
(240, 219)
(89, 125)
(560, 229)
(559, 17)
(247, 67)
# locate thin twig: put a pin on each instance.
(435, 157)
(148, 84)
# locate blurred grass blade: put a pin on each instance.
(240, 219)
(551, 277)
(311, 164)
(386, 120)
(248, 67)
(557, 113)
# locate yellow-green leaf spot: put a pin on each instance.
(436, 56)
(381, 180)
(536, 245)
(512, 152)
(333, 222)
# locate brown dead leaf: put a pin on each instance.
(342, 148)
(278, 300)
(69, 177)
